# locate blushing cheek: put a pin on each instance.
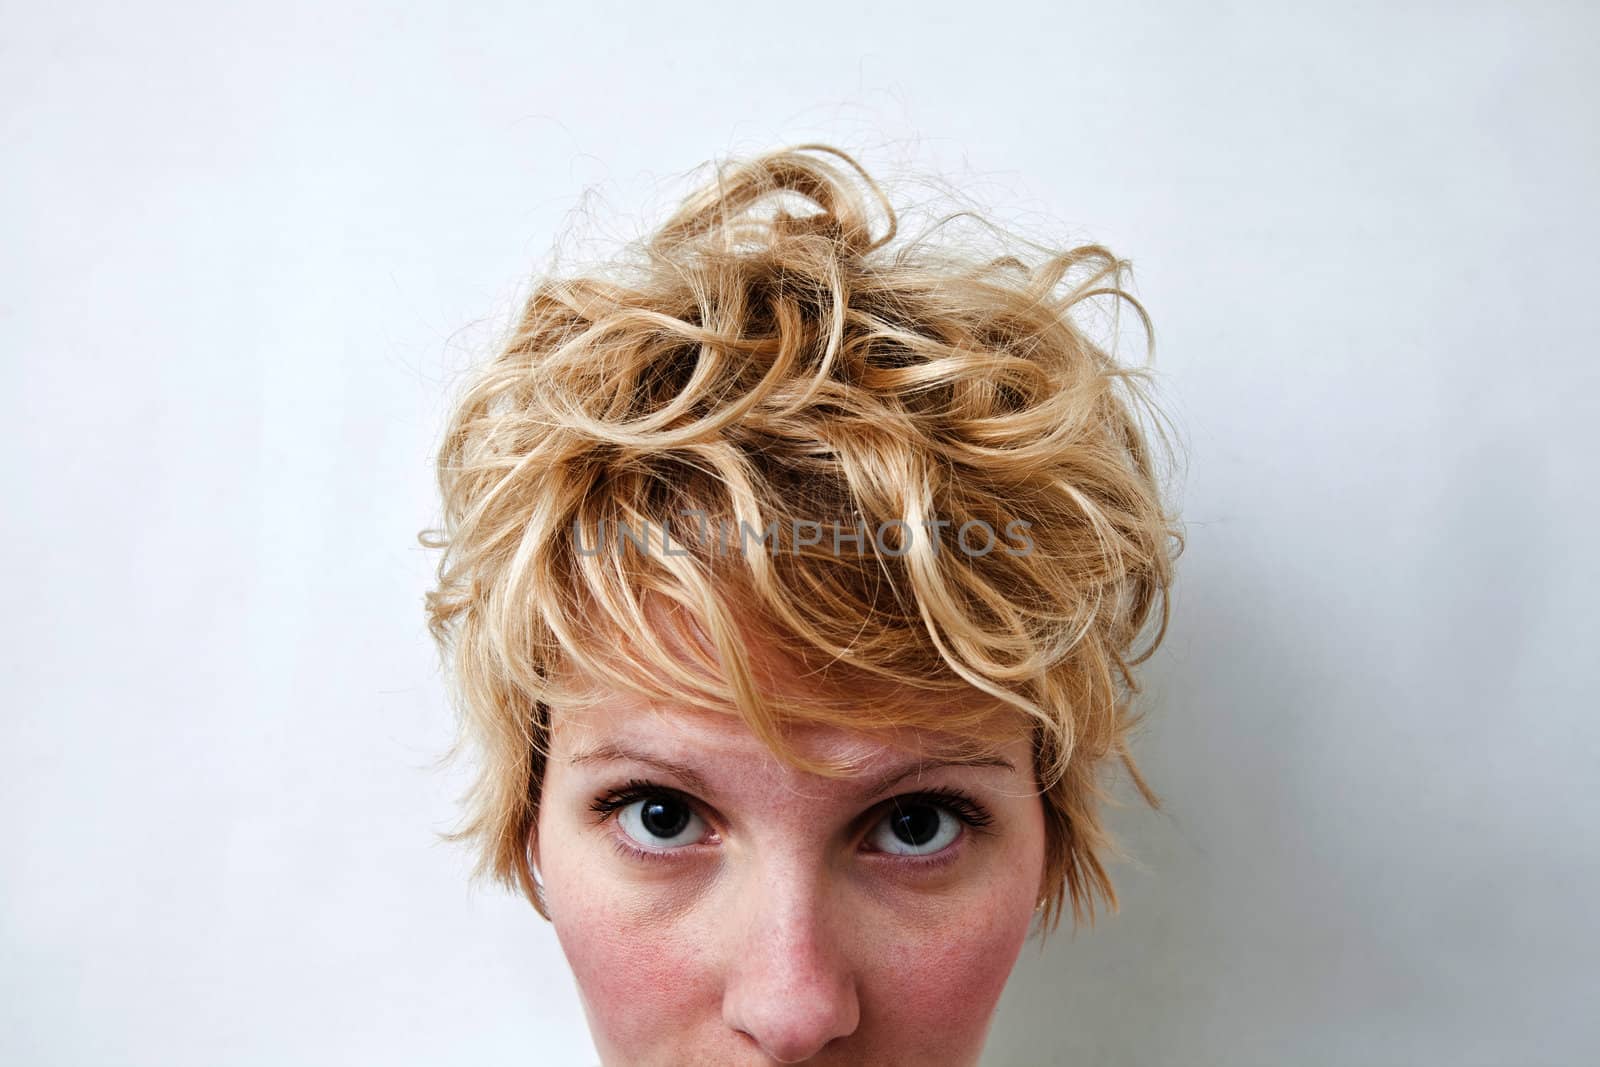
(942, 990)
(637, 980)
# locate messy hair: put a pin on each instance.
(763, 362)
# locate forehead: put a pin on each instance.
(623, 719)
(717, 754)
(896, 722)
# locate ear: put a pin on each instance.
(541, 902)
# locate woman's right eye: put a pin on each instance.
(661, 822)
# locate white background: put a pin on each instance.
(249, 247)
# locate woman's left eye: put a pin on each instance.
(916, 827)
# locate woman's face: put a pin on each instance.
(719, 907)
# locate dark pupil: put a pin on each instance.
(915, 826)
(664, 818)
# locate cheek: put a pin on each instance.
(937, 983)
(641, 980)
(941, 986)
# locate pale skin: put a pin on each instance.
(727, 908)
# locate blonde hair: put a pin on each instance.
(773, 369)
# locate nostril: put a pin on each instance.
(791, 1053)
(796, 1029)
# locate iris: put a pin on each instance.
(915, 826)
(664, 817)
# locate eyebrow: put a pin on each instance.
(610, 752)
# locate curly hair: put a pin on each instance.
(772, 369)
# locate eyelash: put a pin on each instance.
(969, 811)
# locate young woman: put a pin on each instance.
(791, 585)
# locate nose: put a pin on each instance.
(790, 985)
